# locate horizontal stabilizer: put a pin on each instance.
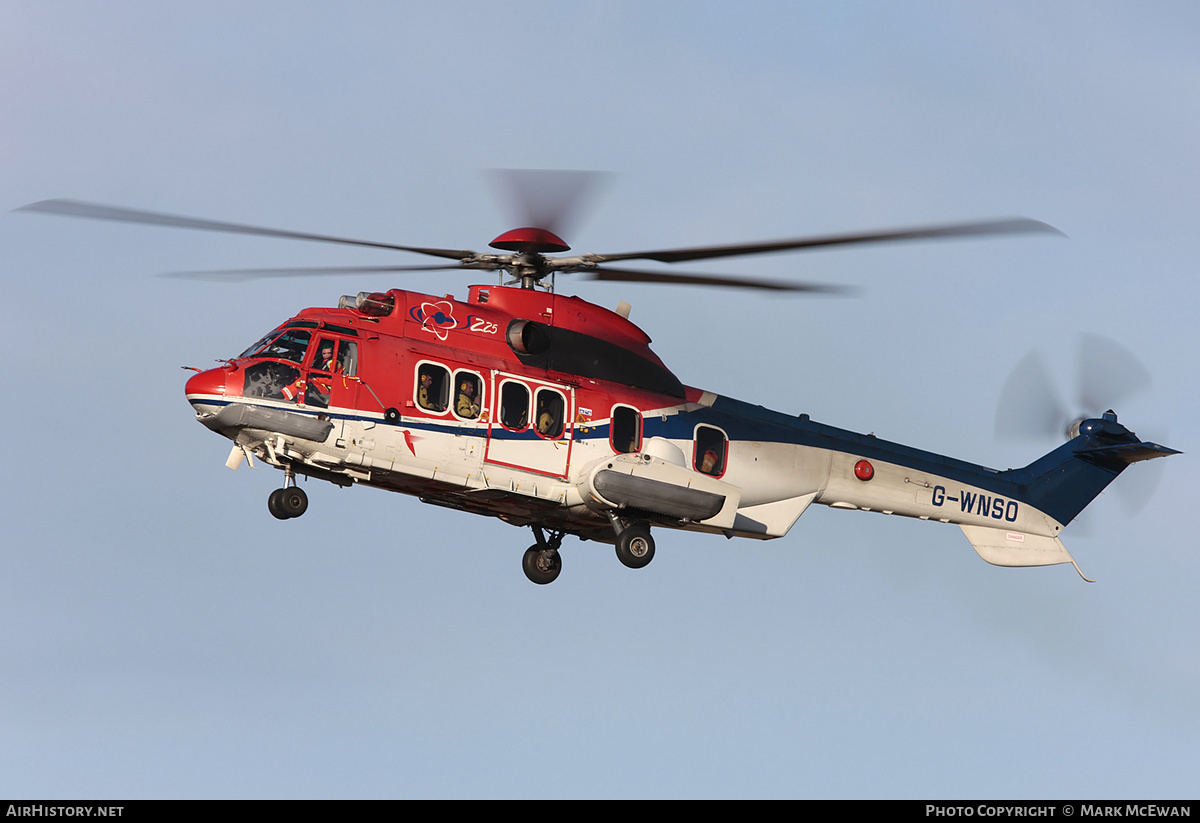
(1126, 452)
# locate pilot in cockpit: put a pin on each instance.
(325, 360)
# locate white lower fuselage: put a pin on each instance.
(773, 468)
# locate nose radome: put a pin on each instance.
(211, 382)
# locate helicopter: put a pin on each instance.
(553, 413)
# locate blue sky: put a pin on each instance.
(164, 636)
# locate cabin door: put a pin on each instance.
(331, 379)
(530, 425)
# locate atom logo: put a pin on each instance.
(436, 318)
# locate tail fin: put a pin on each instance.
(1063, 482)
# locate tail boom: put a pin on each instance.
(1013, 517)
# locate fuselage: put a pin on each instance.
(546, 410)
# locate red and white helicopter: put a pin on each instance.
(550, 412)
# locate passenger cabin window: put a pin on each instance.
(551, 408)
(468, 394)
(710, 451)
(433, 387)
(514, 405)
(626, 430)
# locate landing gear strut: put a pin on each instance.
(542, 562)
(288, 502)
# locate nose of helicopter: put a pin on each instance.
(207, 390)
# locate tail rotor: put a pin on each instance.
(1106, 375)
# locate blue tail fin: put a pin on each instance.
(1064, 481)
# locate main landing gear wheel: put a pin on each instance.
(541, 565)
(635, 547)
(287, 503)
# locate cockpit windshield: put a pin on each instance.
(259, 346)
(310, 359)
(290, 345)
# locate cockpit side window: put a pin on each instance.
(433, 387)
(325, 358)
(336, 357)
(272, 380)
(347, 358)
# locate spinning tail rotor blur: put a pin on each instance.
(1106, 375)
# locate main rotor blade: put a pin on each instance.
(550, 199)
(1016, 225)
(241, 275)
(96, 211)
(636, 276)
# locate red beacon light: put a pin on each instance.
(373, 304)
(864, 470)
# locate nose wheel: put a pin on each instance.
(287, 503)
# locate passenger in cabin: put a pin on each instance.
(433, 389)
(467, 406)
(708, 465)
(514, 406)
(547, 421)
(423, 394)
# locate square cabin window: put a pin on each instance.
(433, 387)
(514, 405)
(551, 408)
(710, 451)
(468, 395)
(626, 430)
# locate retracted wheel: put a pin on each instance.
(541, 565)
(635, 547)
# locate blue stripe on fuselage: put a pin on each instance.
(743, 421)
